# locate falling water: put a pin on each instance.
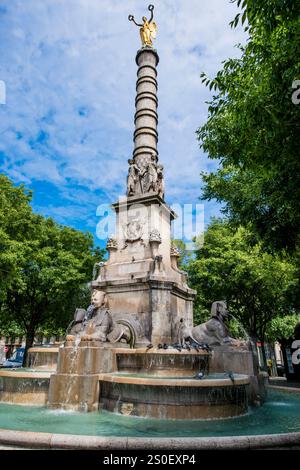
(241, 327)
(157, 364)
(72, 377)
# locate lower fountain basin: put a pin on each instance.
(24, 386)
(279, 415)
(213, 397)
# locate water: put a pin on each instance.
(72, 369)
(245, 333)
(216, 376)
(26, 369)
(280, 414)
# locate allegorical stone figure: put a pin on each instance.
(133, 179)
(150, 177)
(148, 28)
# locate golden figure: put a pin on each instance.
(148, 29)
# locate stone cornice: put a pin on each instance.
(144, 199)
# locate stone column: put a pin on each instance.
(146, 118)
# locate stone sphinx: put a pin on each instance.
(96, 322)
(214, 331)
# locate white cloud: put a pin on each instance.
(70, 72)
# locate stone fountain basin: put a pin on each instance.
(24, 386)
(168, 397)
(160, 362)
(41, 357)
(215, 380)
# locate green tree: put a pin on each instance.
(253, 125)
(184, 254)
(15, 228)
(231, 266)
(282, 328)
(47, 266)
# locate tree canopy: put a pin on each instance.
(253, 126)
(232, 266)
(44, 266)
(283, 328)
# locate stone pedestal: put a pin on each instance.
(144, 286)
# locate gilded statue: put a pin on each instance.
(148, 29)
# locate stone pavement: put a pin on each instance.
(280, 383)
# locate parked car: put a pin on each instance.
(16, 360)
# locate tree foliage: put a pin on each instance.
(232, 266)
(44, 266)
(253, 125)
(282, 328)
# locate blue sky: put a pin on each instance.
(69, 69)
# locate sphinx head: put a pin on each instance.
(219, 310)
(98, 298)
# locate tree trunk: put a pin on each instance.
(29, 341)
(253, 349)
(263, 352)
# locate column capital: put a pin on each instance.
(146, 49)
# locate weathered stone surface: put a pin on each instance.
(39, 358)
(76, 383)
(32, 440)
(26, 388)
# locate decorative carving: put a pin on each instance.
(154, 236)
(133, 231)
(174, 251)
(98, 270)
(145, 179)
(154, 241)
(160, 181)
(158, 267)
(112, 244)
(148, 29)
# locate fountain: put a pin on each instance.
(135, 352)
